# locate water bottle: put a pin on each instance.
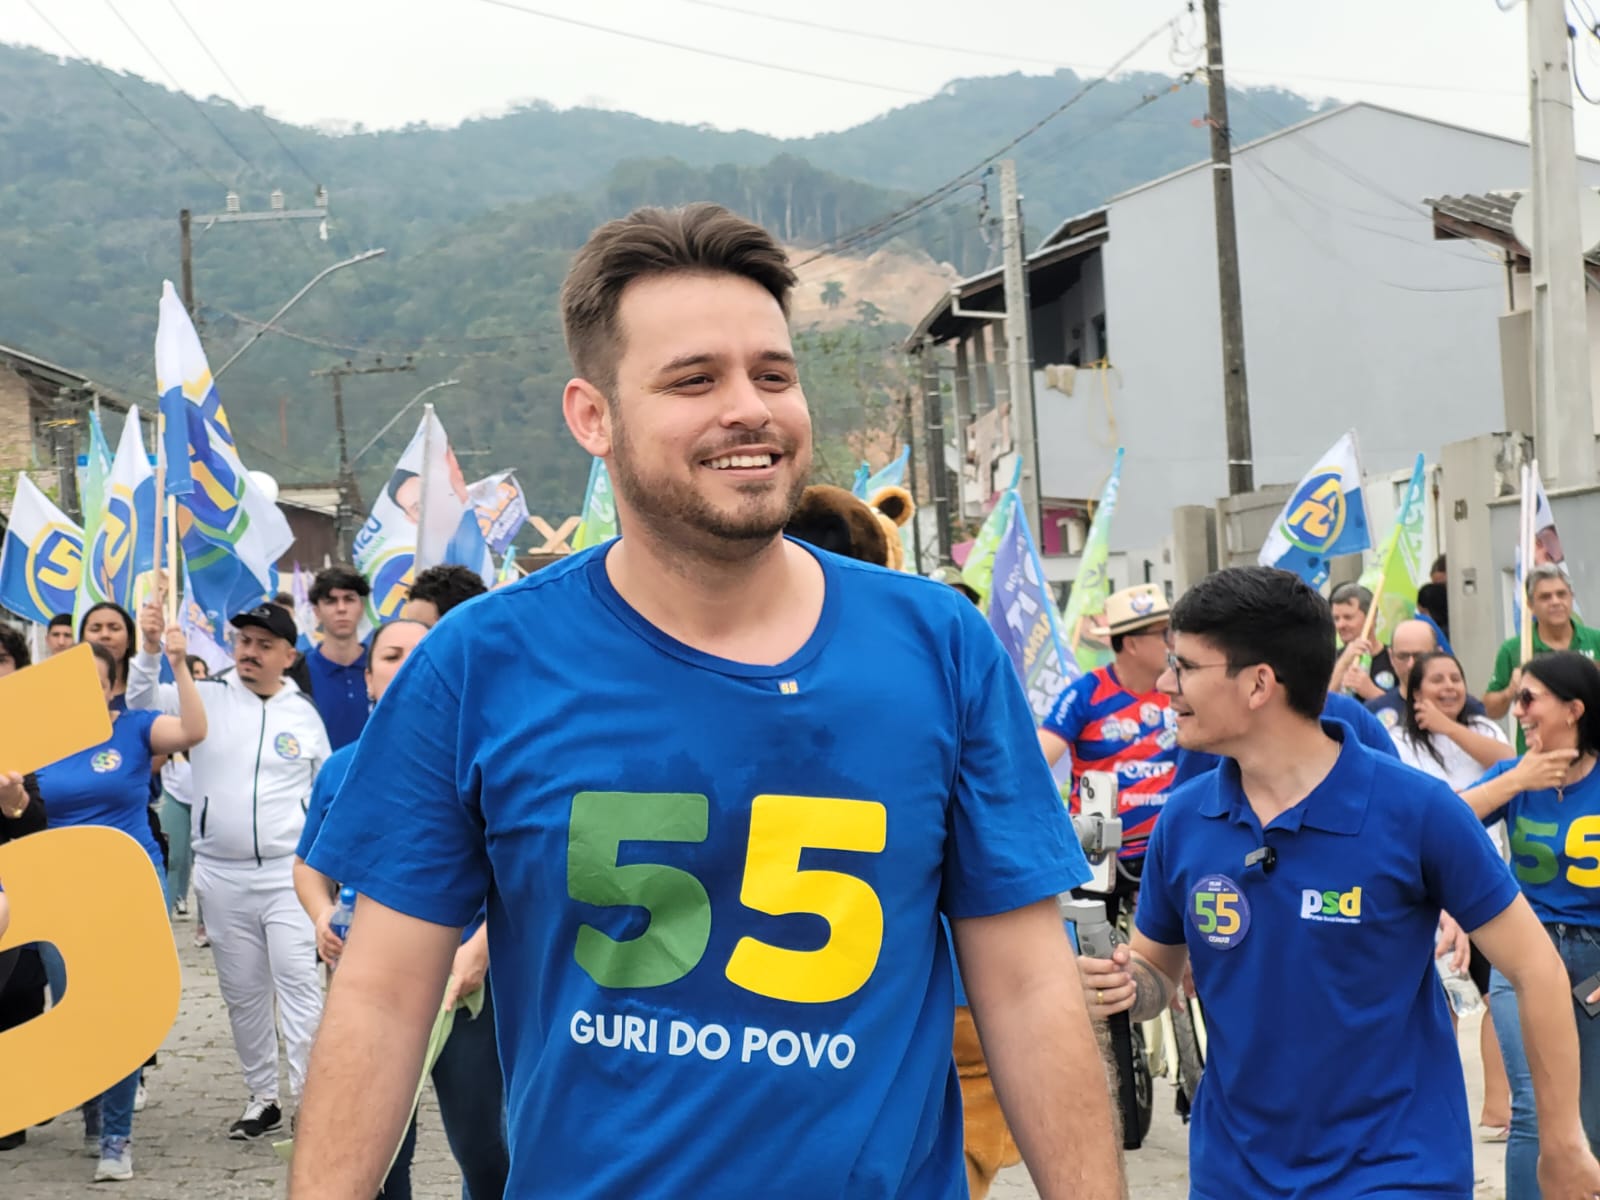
(1459, 989)
(343, 913)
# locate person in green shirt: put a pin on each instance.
(1549, 596)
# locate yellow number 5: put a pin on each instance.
(1227, 914)
(781, 827)
(122, 968)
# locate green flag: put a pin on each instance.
(978, 573)
(93, 504)
(599, 510)
(1090, 588)
(1396, 571)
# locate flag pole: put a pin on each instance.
(164, 582)
(427, 462)
(1525, 539)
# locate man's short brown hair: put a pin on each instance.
(696, 239)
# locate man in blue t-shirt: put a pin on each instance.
(716, 818)
(1303, 880)
(338, 663)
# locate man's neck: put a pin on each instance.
(1557, 637)
(341, 650)
(265, 690)
(1133, 677)
(757, 608)
(1281, 764)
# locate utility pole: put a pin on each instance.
(1235, 393)
(1019, 345)
(186, 255)
(347, 483)
(233, 212)
(1563, 416)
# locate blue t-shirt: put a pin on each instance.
(340, 693)
(1347, 710)
(108, 784)
(1555, 847)
(1332, 1069)
(1108, 728)
(323, 791)
(714, 888)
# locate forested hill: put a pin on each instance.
(478, 222)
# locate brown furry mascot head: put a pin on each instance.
(841, 522)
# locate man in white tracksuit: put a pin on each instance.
(252, 779)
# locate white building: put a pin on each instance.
(1355, 316)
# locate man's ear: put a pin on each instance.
(588, 416)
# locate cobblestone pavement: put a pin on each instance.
(181, 1148)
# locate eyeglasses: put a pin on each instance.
(1179, 668)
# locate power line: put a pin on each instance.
(239, 91)
(884, 37)
(849, 239)
(702, 50)
(121, 95)
(178, 87)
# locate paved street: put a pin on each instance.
(181, 1148)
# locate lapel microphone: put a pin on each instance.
(1266, 857)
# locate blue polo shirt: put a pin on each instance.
(340, 693)
(1332, 1070)
(1555, 847)
(108, 784)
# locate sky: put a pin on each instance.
(388, 63)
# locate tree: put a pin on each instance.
(868, 313)
(833, 293)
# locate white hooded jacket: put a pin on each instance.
(253, 773)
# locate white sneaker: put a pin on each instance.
(114, 1166)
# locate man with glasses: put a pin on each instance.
(1113, 719)
(1303, 881)
(1411, 640)
(1548, 593)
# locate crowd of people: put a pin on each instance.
(213, 776)
(702, 863)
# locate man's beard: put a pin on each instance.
(677, 513)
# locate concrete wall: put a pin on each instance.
(1354, 316)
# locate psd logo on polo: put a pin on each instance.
(1340, 908)
(287, 746)
(1316, 513)
(105, 762)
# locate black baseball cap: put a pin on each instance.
(274, 618)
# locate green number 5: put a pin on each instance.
(1205, 911)
(1523, 847)
(677, 904)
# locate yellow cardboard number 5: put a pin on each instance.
(122, 968)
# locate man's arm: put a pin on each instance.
(1506, 679)
(144, 670)
(1520, 949)
(1140, 979)
(1022, 984)
(369, 1051)
(1053, 746)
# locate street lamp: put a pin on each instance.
(293, 300)
(405, 408)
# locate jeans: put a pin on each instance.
(116, 1110)
(397, 1184)
(467, 1081)
(175, 821)
(1580, 950)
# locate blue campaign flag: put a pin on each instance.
(41, 558)
(892, 475)
(1022, 613)
(1326, 516)
(858, 485)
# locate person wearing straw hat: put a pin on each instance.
(1113, 719)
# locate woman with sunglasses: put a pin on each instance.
(1550, 799)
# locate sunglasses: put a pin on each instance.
(1525, 698)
